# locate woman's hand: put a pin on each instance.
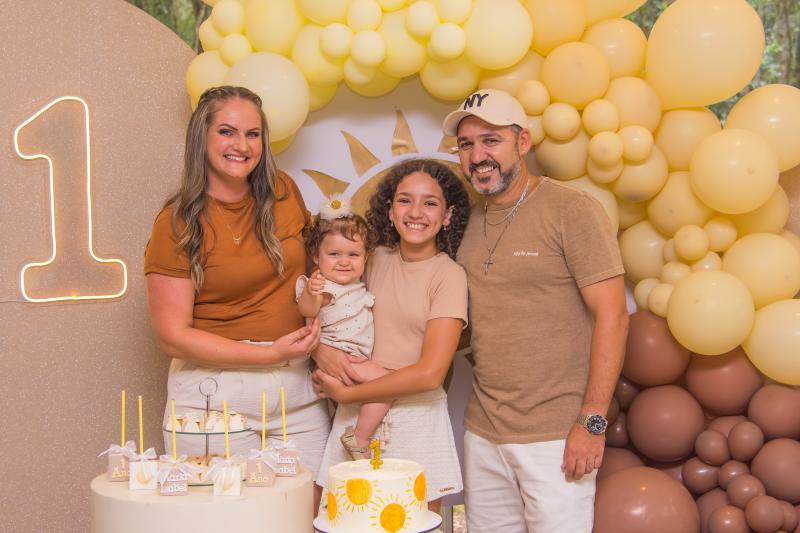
(298, 343)
(337, 363)
(327, 386)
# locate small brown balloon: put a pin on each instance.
(764, 514)
(617, 432)
(698, 476)
(724, 424)
(723, 384)
(712, 447)
(789, 516)
(728, 519)
(616, 459)
(708, 503)
(744, 441)
(652, 355)
(625, 392)
(731, 470)
(613, 411)
(673, 470)
(776, 410)
(744, 488)
(777, 465)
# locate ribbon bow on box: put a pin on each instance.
(129, 450)
(180, 463)
(148, 455)
(268, 456)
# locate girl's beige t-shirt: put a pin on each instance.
(407, 296)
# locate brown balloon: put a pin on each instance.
(797, 513)
(724, 424)
(699, 477)
(728, 519)
(652, 355)
(764, 514)
(776, 410)
(644, 499)
(673, 470)
(731, 470)
(617, 432)
(790, 518)
(723, 384)
(744, 441)
(625, 392)
(708, 503)
(616, 459)
(663, 423)
(744, 488)
(777, 465)
(712, 447)
(613, 411)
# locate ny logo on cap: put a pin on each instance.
(471, 100)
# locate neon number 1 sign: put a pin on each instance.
(61, 265)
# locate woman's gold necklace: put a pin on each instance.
(507, 219)
(237, 239)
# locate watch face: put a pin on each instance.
(596, 424)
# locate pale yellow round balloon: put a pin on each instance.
(324, 12)
(769, 218)
(455, 11)
(772, 111)
(575, 73)
(405, 55)
(642, 180)
(711, 312)
(555, 22)
(622, 42)
(641, 246)
(335, 40)
(703, 51)
(636, 101)
(606, 9)
(210, 39)
(630, 213)
(318, 68)
(767, 264)
(561, 121)
(564, 160)
(721, 233)
(320, 96)
(421, 19)
(358, 74)
(605, 148)
(498, 33)
(673, 272)
(676, 205)
(691, 242)
(272, 25)
(511, 79)
(381, 84)
(450, 80)
(681, 131)
(604, 174)
(368, 48)
(536, 130)
(669, 253)
(710, 261)
(734, 171)
(228, 17)
(774, 342)
(533, 96)
(602, 194)
(793, 239)
(279, 146)
(658, 299)
(205, 71)
(600, 115)
(364, 15)
(234, 47)
(392, 5)
(637, 142)
(641, 292)
(447, 42)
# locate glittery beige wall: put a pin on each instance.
(64, 364)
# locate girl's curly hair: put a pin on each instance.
(455, 196)
(349, 227)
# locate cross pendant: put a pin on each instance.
(486, 264)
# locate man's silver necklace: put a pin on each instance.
(507, 219)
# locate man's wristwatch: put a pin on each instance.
(594, 424)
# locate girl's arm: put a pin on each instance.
(438, 348)
(171, 302)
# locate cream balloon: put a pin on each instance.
(603, 195)
(209, 38)
(691, 242)
(364, 15)
(600, 115)
(676, 205)
(368, 48)
(205, 71)
(421, 19)
(681, 131)
(498, 33)
(512, 78)
(637, 143)
(533, 96)
(658, 299)
(405, 55)
(622, 42)
(320, 96)
(673, 272)
(604, 174)
(774, 342)
(564, 160)
(641, 247)
(711, 312)
(324, 12)
(630, 213)
(279, 146)
(793, 239)
(710, 261)
(318, 68)
(455, 11)
(734, 171)
(721, 233)
(392, 5)
(703, 51)
(335, 40)
(447, 42)
(381, 84)
(555, 22)
(669, 253)
(228, 17)
(561, 121)
(636, 101)
(234, 47)
(597, 10)
(272, 25)
(642, 290)
(280, 84)
(575, 73)
(769, 218)
(642, 180)
(536, 130)
(605, 148)
(752, 256)
(358, 74)
(451, 80)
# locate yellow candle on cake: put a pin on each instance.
(263, 420)
(122, 422)
(225, 426)
(141, 428)
(174, 440)
(283, 414)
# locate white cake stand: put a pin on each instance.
(431, 522)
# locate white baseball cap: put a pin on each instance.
(495, 107)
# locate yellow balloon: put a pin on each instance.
(676, 205)
(793, 239)
(637, 143)
(710, 261)
(498, 33)
(205, 71)
(280, 84)
(710, 313)
(597, 10)
(604, 174)
(324, 12)
(600, 115)
(210, 39)
(404, 54)
(669, 253)
(605, 148)
(455, 11)
(533, 96)
(358, 74)
(318, 68)
(602, 194)
(511, 79)
(772, 111)
(734, 171)
(561, 121)
(392, 5)
(673, 272)
(452, 80)
(447, 42)
(320, 96)
(364, 15)
(234, 47)
(642, 180)
(272, 25)
(769, 218)
(335, 40)
(774, 342)
(691, 242)
(564, 160)
(642, 291)
(555, 22)
(575, 73)
(703, 51)
(752, 256)
(536, 130)
(636, 101)
(381, 84)
(622, 42)
(658, 299)
(721, 233)
(368, 48)
(279, 146)
(228, 17)
(630, 213)
(421, 19)
(681, 131)
(641, 246)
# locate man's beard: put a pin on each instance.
(506, 178)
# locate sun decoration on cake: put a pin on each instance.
(419, 489)
(391, 514)
(352, 495)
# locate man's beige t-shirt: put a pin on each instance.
(531, 331)
(407, 296)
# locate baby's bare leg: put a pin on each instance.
(371, 414)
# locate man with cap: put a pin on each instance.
(549, 322)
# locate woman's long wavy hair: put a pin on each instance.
(189, 203)
(455, 196)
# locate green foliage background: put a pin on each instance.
(781, 18)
